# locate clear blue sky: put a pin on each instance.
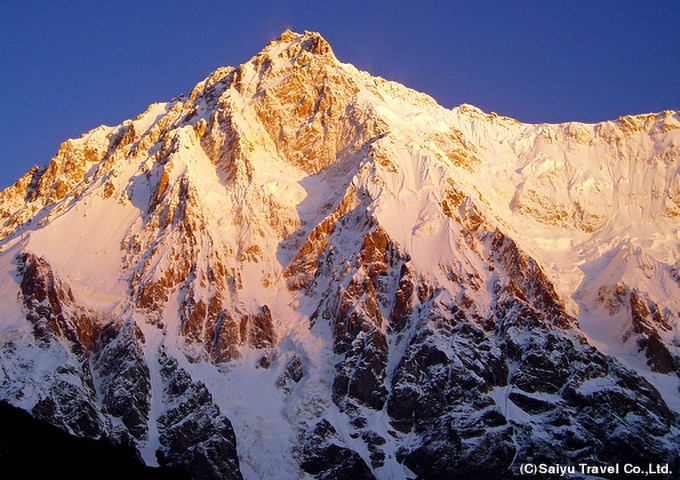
(69, 66)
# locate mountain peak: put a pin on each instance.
(311, 42)
(288, 36)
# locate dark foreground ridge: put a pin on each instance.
(32, 448)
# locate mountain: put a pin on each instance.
(304, 271)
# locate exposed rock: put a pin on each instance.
(293, 373)
(123, 377)
(193, 433)
(528, 282)
(324, 456)
(50, 306)
(646, 322)
(258, 330)
(362, 374)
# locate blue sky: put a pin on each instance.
(68, 67)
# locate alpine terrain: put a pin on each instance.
(303, 271)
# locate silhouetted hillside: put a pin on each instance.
(31, 448)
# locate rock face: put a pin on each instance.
(324, 458)
(193, 434)
(304, 271)
(124, 379)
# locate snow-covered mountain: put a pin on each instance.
(304, 271)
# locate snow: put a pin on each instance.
(248, 396)
(148, 119)
(91, 257)
(509, 410)
(12, 319)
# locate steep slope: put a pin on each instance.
(302, 270)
